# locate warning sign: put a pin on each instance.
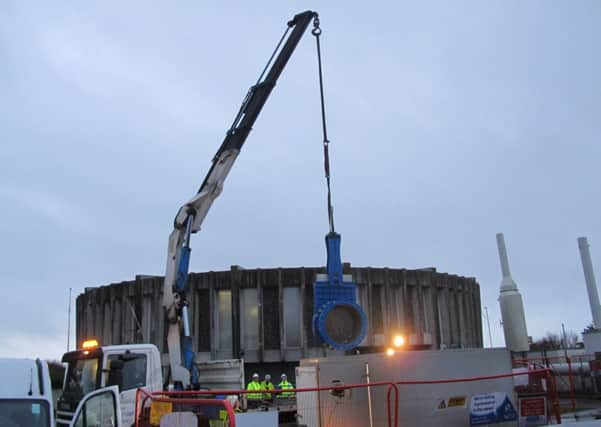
(533, 411)
(457, 401)
(532, 406)
(491, 408)
(451, 402)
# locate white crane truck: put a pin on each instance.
(94, 367)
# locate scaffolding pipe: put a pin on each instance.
(369, 408)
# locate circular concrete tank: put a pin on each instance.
(265, 315)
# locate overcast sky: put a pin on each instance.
(449, 121)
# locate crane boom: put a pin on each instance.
(191, 215)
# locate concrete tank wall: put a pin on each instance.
(264, 315)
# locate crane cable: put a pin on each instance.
(326, 142)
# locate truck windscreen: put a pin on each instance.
(82, 376)
(24, 413)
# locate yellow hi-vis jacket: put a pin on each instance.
(285, 385)
(266, 386)
(254, 385)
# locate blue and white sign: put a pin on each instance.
(491, 408)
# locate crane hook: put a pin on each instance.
(316, 31)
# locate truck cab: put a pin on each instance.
(25, 393)
(95, 367)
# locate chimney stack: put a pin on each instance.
(512, 307)
(591, 285)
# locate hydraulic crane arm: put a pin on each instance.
(191, 215)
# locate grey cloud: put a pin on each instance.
(449, 122)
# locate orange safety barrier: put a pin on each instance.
(190, 396)
(550, 363)
(197, 399)
(394, 420)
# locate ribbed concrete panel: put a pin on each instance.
(430, 308)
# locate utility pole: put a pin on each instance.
(565, 341)
(69, 322)
(488, 323)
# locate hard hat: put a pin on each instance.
(255, 375)
(268, 377)
(283, 376)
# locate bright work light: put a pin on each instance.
(399, 341)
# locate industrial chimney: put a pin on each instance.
(512, 307)
(589, 278)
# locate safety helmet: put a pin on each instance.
(255, 375)
(267, 377)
